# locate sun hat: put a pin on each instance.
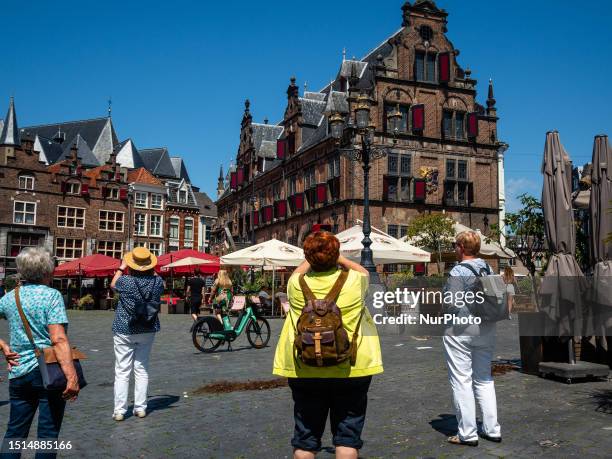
(140, 259)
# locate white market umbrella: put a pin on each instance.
(188, 261)
(272, 253)
(268, 253)
(386, 249)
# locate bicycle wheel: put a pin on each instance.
(258, 332)
(201, 334)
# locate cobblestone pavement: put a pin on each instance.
(409, 412)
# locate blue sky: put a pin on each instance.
(178, 72)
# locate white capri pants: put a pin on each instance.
(469, 371)
(132, 352)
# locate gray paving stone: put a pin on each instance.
(409, 405)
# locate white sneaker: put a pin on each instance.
(118, 417)
(140, 413)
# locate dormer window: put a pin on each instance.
(157, 201)
(182, 196)
(26, 182)
(112, 193)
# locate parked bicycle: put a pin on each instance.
(208, 333)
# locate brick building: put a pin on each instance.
(445, 157)
(74, 188)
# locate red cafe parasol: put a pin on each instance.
(90, 266)
(209, 268)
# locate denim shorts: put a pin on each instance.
(344, 399)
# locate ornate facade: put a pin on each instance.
(446, 156)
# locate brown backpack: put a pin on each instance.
(320, 337)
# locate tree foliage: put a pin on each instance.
(433, 232)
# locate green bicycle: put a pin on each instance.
(208, 333)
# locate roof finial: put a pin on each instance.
(110, 106)
(305, 86)
(247, 104)
(491, 110)
(343, 54)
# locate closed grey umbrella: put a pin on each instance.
(601, 227)
(560, 295)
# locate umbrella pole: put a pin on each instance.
(273, 277)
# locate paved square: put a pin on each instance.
(409, 412)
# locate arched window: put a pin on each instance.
(26, 182)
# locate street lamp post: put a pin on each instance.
(359, 138)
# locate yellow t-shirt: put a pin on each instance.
(350, 302)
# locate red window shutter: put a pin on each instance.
(298, 202)
(419, 268)
(321, 193)
(117, 176)
(291, 144)
(418, 118)
(281, 148)
(444, 67)
(123, 194)
(63, 187)
(84, 189)
(233, 180)
(470, 193)
(385, 188)
(260, 164)
(472, 125)
(420, 190)
(78, 170)
(240, 176)
(104, 191)
(280, 209)
(255, 218)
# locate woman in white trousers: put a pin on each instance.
(133, 339)
(468, 351)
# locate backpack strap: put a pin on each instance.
(471, 268)
(308, 295)
(25, 322)
(335, 291)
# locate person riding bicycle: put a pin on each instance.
(222, 294)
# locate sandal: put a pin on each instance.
(455, 440)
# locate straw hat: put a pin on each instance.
(140, 259)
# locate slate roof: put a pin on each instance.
(180, 171)
(83, 152)
(128, 155)
(267, 149)
(98, 133)
(49, 151)
(206, 205)
(265, 132)
(312, 110)
(9, 133)
(158, 161)
(314, 95)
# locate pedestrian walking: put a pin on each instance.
(331, 374)
(195, 293)
(133, 330)
(510, 281)
(469, 351)
(45, 314)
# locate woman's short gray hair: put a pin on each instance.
(34, 264)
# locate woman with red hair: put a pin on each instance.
(340, 390)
